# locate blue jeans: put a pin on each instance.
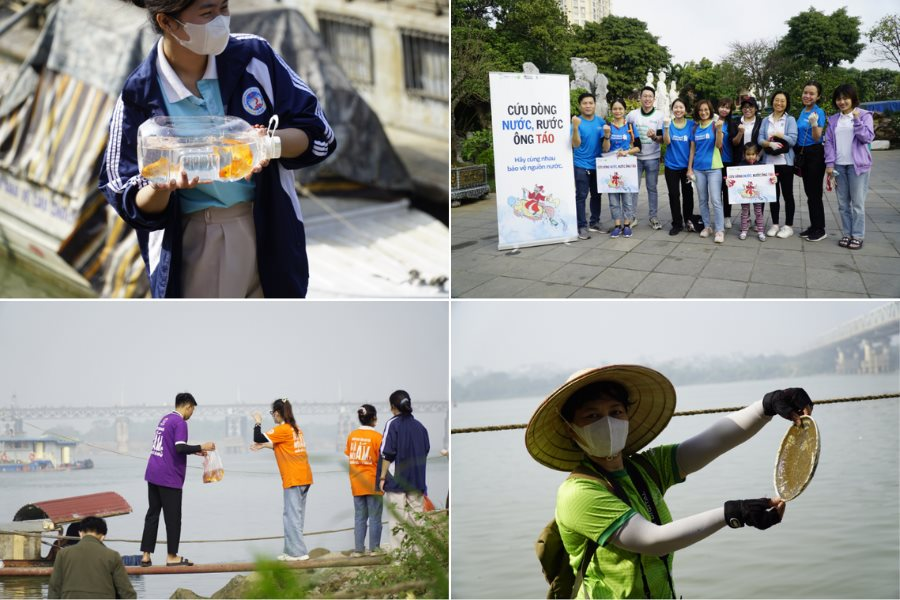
(622, 203)
(294, 511)
(586, 182)
(651, 168)
(367, 510)
(709, 188)
(852, 190)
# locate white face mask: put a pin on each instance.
(207, 39)
(604, 437)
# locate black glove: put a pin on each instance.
(788, 403)
(757, 513)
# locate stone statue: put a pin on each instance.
(673, 94)
(587, 78)
(662, 95)
(649, 78)
(530, 69)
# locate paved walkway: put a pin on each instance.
(652, 264)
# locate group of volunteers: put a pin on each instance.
(87, 569)
(815, 147)
(404, 445)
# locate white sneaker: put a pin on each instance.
(727, 222)
(743, 235)
(720, 237)
(706, 231)
(634, 222)
(772, 230)
(786, 231)
(289, 558)
(761, 236)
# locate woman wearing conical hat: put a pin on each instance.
(595, 425)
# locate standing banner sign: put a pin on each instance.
(533, 167)
(617, 175)
(751, 183)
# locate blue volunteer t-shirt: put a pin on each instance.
(705, 155)
(804, 131)
(591, 133)
(679, 147)
(726, 145)
(619, 137)
(405, 444)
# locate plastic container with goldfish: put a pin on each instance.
(212, 148)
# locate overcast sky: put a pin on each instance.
(678, 24)
(510, 336)
(101, 353)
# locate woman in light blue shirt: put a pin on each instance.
(810, 159)
(705, 166)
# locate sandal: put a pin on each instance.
(182, 563)
(855, 244)
(844, 242)
(146, 563)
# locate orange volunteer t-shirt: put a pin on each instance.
(363, 447)
(290, 454)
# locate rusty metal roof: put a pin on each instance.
(75, 508)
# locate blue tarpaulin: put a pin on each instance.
(882, 107)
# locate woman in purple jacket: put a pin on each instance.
(848, 161)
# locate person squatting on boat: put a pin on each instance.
(88, 569)
(595, 425)
(286, 440)
(165, 472)
(226, 239)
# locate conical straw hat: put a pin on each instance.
(651, 398)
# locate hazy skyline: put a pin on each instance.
(131, 353)
(515, 336)
(679, 25)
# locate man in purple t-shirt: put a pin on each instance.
(165, 478)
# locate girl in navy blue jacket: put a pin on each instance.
(197, 239)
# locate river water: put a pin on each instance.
(246, 503)
(840, 538)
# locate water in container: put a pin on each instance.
(212, 148)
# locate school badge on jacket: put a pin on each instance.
(253, 102)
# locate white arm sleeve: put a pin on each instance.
(643, 537)
(726, 433)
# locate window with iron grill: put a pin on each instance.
(426, 64)
(350, 42)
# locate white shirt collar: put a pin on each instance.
(783, 118)
(173, 87)
(368, 427)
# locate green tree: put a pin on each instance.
(623, 50)
(757, 64)
(885, 36)
(534, 31)
(707, 80)
(826, 40)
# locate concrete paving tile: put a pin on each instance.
(509, 266)
(462, 281)
(717, 288)
(727, 269)
(878, 249)
(573, 274)
(639, 262)
(812, 293)
(686, 250)
(777, 256)
(662, 285)
(882, 284)
(776, 274)
(597, 293)
(876, 264)
(842, 261)
(838, 280)
(619, 280)
(566, 254)
(737, 250)
(498, 287)
(599, 257)
(542, 289)
(676, 265)
(655, 247)
(765, 290)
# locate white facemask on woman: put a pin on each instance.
(604, 437)
(210, 38)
